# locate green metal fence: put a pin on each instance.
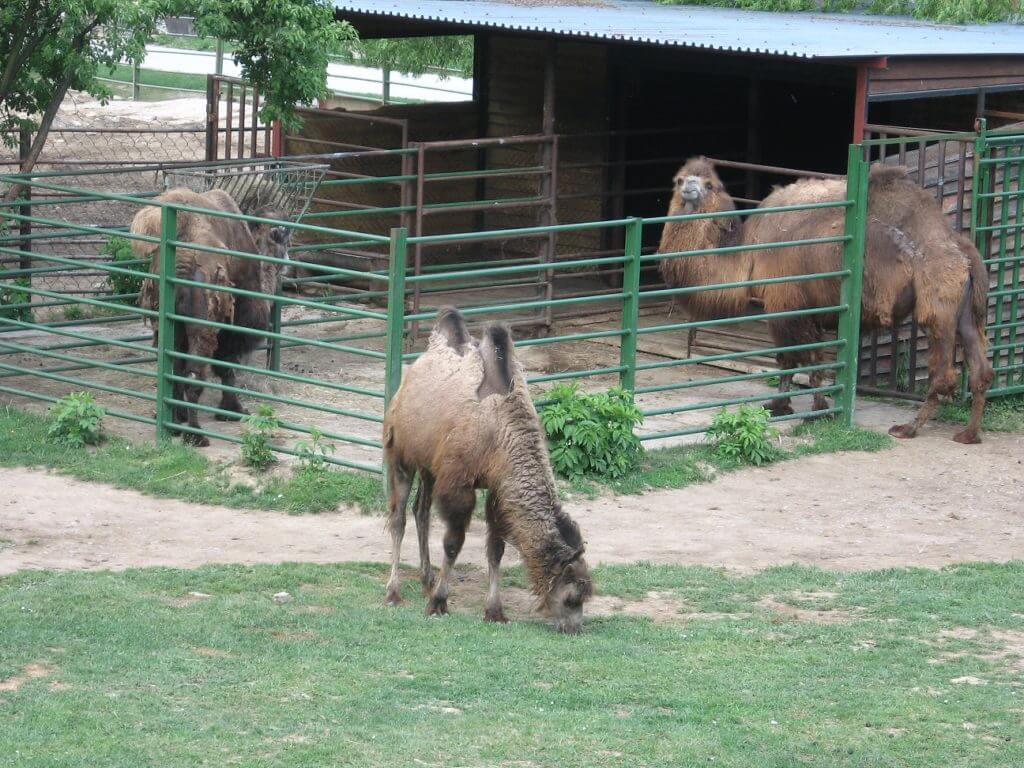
(335, 358)
(997, 224)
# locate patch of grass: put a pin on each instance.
(680, 466)
(129, 669)
(189, 43)
(180, 472)
(174, 80)
(1002, 414)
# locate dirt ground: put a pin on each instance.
(928, 502)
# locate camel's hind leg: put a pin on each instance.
(421, 509)
(495, 549)
(456, 507)
(399, 485)
(979, 374)
(942, 379)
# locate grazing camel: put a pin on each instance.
(219, 271)
(463, 419)
(914, 265)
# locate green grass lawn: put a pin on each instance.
(1002, 414)
(185, 81)
(181, 472)
(913, 669)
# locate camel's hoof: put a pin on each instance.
(780, 410)
(496, 615)
(199, 441)
(393, 598)
(967, 437)
(438, 606)
(228, 416)
(903, 431)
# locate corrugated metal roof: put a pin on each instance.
(803, 35)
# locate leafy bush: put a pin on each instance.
(119, 249)
(259, 428)
(592, 434)
(73, 312)
(77, 421)
(744, 434)
(10, 294)
(313, 452)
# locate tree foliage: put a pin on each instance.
(415, 55)
(48, 47)
(950, 11)
(282, 47)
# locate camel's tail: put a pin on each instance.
(498, 352)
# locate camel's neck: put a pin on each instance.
(706, 269)
(268, 278)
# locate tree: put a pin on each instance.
(48, 47)
(415, 55)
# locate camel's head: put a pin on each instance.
(271, 240)
(569, 584)
(564, 601)
(695, 182)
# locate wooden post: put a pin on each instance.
(860, 104)
(25, 226)
(549, 180)
(753, 188)
(136, 86)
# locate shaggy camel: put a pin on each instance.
(463, 419)
(914, 265)
(218, 271)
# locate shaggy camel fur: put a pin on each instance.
(914, 265)
(463, 419)
(218, 271)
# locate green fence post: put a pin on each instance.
(274, 350)
(396, 312)
(853, 260)
(164, 325)
(630, 303)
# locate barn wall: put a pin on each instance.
(425, 122)
(516, 89)
(928, 73)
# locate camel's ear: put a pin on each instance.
(281, 235)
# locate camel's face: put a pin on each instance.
(564, 603)
(692, 189)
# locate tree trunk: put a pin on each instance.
(48, 116)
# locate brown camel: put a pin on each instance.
(914, 265)
(463, 419)
(216, 270)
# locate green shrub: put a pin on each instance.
(313, 452)
(77, 421)
(11, 294)
(119, 249)
(744, 434)
(592, 434)
(73, 312)
(259, 428)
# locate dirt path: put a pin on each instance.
(928, 502)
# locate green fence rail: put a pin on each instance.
(335, 359)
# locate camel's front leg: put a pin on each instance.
(456, 508)
(495, 549)
(228, 400)
(421, 509)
